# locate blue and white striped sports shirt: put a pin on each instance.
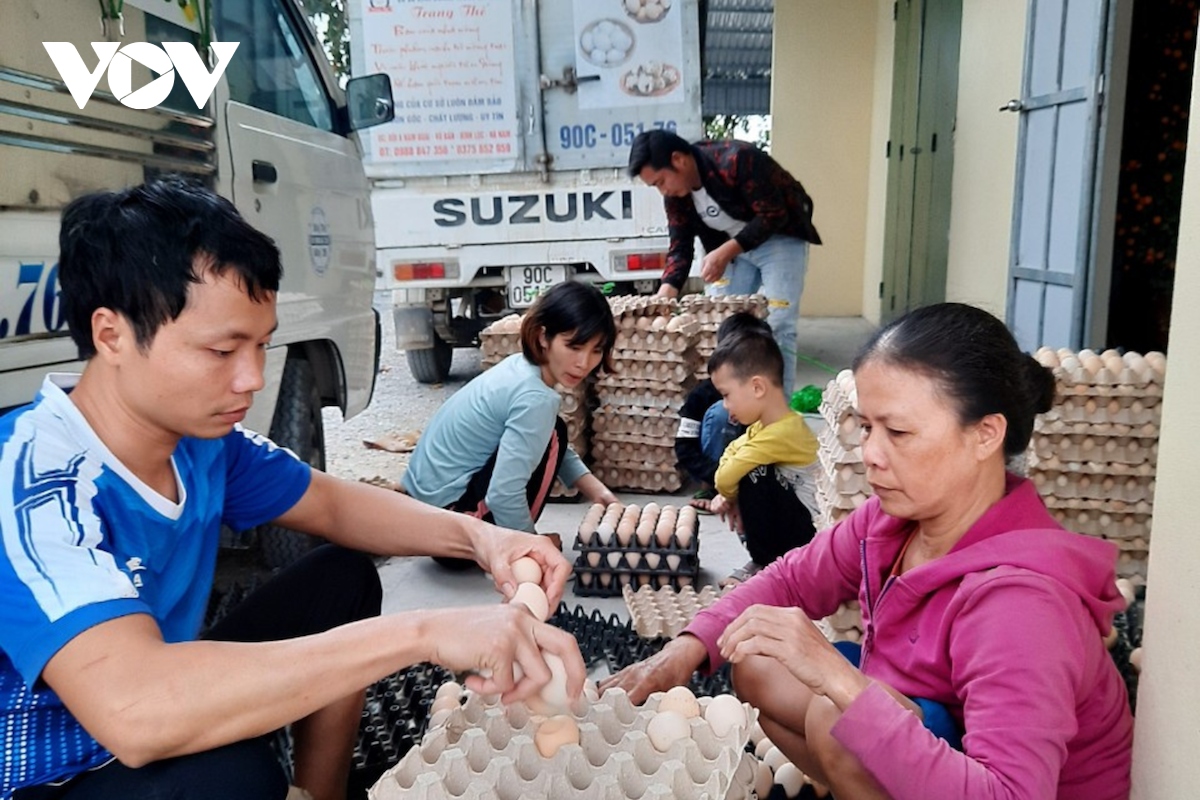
(85, 541)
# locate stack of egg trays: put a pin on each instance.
(665, 612)
(613, 569)
(710, 312)
(613, 643)
(394, 718)
(486, 751)
(841, 482)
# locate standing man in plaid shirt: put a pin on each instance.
(753, 219)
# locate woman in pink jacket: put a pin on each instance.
(982, 671)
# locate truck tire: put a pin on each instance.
(432, 364)
(297, 425)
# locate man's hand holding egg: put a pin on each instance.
(498, 549)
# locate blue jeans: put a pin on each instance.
(716, 432)
(776, 268)
(936, 717)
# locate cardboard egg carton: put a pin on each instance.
(1129, 531)
(1108, 369)
(647, 305)
(665, 612)
(1074, 409)
(845, 624)
(1095, 449)
(1132, 565)
(1110, 486)
(678, 335)
(658, 400)
(486, 751)
(1046, 424)
(626, 358)
(661, 371)
(653, 422)
(711, 311)
(610, 385)
(612, 451)
(640, 477)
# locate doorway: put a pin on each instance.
(920, 154)
(1154, 142)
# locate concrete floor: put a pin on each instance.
(411, 583)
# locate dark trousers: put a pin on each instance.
(537, 490)
(330, 586)
(774, 520)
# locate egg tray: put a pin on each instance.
(608, 580)
(658, 400)
(1069, 485)
(649, 345)
(1127, 450)
(640, 357)
(665, 612)
(652, 428)
(1125, 530)
(620, 453)
(833, 452)
(609, 384)
(639, 478)
(486, 750)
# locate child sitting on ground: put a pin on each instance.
(766, 479)
(704, 426)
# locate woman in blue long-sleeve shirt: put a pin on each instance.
(493, 449)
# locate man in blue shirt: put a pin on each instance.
(113, 488)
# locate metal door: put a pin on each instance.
(1053, 238)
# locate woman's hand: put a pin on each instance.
(669, 667)
(497, 548)
(595, 491)
(790, 637)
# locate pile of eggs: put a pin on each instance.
(634, 425)
(674, 746)
(842, 481)
(1093, 456)
(709, 312)
(775, 775)
(647, 10)
(606, 42)
(623, 545)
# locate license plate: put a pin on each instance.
(526, 283)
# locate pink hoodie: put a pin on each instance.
(1005, 630)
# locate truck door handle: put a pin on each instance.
(263, 171)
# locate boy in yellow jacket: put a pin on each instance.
(766, 479)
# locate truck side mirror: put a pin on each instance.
(369, 101)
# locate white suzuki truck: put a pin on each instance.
(503, 172)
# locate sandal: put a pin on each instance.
(702, 501)
(740, 575)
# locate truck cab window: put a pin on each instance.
(272, 70)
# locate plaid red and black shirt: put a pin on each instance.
(749, 186)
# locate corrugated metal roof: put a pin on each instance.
(736, 40)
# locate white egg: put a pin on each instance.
(666, 728)
(586, 42)
(449, 689)
(532, 597)
(680, 699)
(724, 713)
(602, 39)
(527, 570)
(774, 758)
(790, 778)
(615, 54)
(600, 56)
(622, 41)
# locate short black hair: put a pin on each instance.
(742, 322)
(137, 251)
(747, 354)
(573, 307)
(975, 358)
(654, 148)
